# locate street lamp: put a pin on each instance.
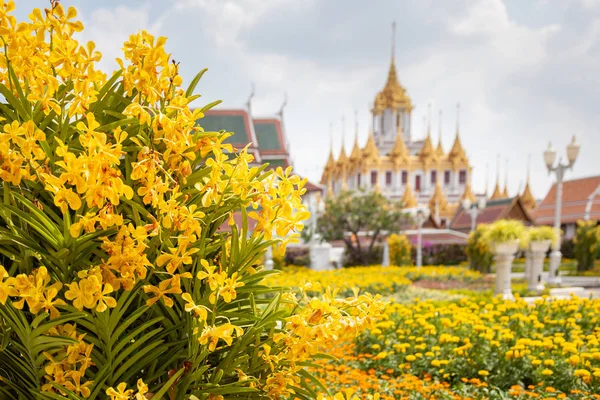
(559, 170)
(420, 214)
(474, 209)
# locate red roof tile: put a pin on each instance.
(576, 196)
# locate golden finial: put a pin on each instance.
(370, 152)
(355, 155)
(497, 194)
(527, 198)
(438, 201)
(505, 191)
(408, 198)
(399, 153)
(393, 94)
(457, 153)
(440, 147)
(468, 193)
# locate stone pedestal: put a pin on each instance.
(386, 255)
(553, 277)
(528, 265)
(504, 254)
(537, 252)
(320, 254)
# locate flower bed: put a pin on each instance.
(469, 348)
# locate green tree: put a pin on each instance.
(369, 213)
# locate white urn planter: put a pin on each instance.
(504, 254)
(537, 250)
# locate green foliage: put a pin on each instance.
(542, 233)
(400, 249)
(587, 244)
(352, 212)
(505, 231)
(478, 250)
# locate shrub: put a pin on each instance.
(444, 254)
(586, 240)
(115, 274)
(299, 256)
(399, 247)
(478, 250)
(373, 257)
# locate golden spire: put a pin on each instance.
(427, 155)
(440, 147)
(527, 197)
(355, 155)
(330, 166)
(399, 153)
(342, 163)
(370, 153)
(393, 94)
(468, 194)
(505, 191)
(457, 154)
(497, 194)
(438, 201)
(408, 198)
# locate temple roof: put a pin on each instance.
(509, 208)
(440, 149)
(457, 154)
(393, 95)
(356, 154)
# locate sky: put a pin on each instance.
(525, 72)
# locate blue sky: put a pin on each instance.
(525, 72)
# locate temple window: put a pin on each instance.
(358, 180)
(404, 177)
(433, 177)
(388, 178)
(446, 177)
(373, 178)
(418, 183)
(462, 177)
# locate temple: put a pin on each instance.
(400, 166)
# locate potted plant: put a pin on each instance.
(539, 240)
(504, 237)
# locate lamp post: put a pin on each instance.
(559, 170)
(421, 214)
(474, 209)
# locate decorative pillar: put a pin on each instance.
(320, 254)
(504, 254)
(386, 255)
(538, 251)
(528, 272)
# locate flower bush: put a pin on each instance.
(399, 247)
(478, 250)
(116, 281)
(587, 244)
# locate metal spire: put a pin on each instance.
(506, 175)
(487, 178)
(393, 39)
(429, 117)
(528, 166)
(440, 126)
(249, 102)
(457, 116)
(356, 126)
